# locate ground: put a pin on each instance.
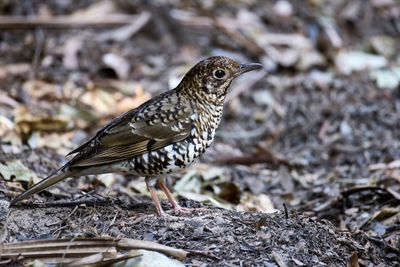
(226, 238)
(316, 134)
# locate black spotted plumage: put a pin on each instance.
(163, 135)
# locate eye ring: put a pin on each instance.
(219, 74)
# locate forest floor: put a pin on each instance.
(305, 167)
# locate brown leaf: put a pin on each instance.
(26, 122)
(13, 69)
(231, 193)
(353, 261)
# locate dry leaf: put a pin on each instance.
(100, 100)
(107, 179)
(352, 61)
(27, 122)
(385, 213)
(353, 261)
(13, 69)
(145, 258)
(18, 171)
(230, 192)
(261, 202)
(119, 64)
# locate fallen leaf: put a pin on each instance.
(27, 122)
(261, 202)
(107, 179)
(17, 170)
(297, 262)
(353, 260)
(5, 125)
(95, 10)
(278, 259)
(100, 100)
(385, 213)
(231, 193)
(13, 69)
(148, 258)
(384, 45)
(119, 64)
(36, 263)
(190, 182)
(81, 117)
(348, 62)
(386, 79)
(38, 89)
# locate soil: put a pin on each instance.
(225, 238)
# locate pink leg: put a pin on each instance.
(160, 211)
(171, 198)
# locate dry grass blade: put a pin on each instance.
(67, 250)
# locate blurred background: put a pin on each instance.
(318, 131)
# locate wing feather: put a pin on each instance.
(135, 133)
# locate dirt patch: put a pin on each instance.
(260, 239)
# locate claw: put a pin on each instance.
(182, 209)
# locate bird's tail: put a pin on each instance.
(47, 182)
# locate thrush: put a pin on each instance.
(163, 135)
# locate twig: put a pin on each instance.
(126, 243)
(61, 22)
(358, 189)
(204, 253)
(90, 202)
(65, 250)
(40, 43)
(286, 211)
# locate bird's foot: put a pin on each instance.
(176, 209)
(180, 209)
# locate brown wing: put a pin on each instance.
(150, 127)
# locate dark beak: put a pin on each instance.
(249, 67)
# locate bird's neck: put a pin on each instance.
(208, 116)
(207, 113)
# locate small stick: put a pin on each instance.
(90, 202)
(203, 253)
(286, 211)
(357, 189)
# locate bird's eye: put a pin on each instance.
(219, 74)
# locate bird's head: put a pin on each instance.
(210, 79)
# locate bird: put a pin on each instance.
(163, 135)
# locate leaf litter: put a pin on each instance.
(318, 133)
